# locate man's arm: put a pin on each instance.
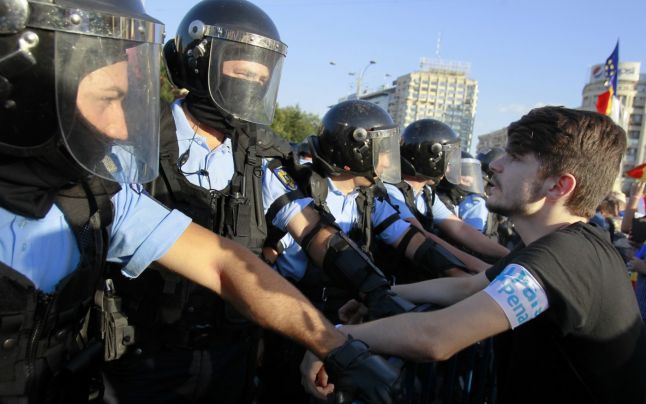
(435, 335)
(472, 263)
(252, 287)
(421, 337)
(442, 291)
(465, 234)
(636, 193)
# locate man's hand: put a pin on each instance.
(314, 378)
(352, 312)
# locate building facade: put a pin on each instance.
(439, 90)
(493, 139)
(631, 91)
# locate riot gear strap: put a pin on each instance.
(408, 236)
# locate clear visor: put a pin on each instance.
(452, 156)
(471, 176)
(244, 79)
(385, 155)
(107, 97)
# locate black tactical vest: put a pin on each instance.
(165, 308)
(316, 285)
(426, 219)
(47, 344)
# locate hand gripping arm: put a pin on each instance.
(359, 374)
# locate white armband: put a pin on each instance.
(518, 293)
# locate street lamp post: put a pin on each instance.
(360, 77)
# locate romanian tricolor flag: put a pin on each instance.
(604, 102)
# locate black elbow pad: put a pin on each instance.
(435, 259)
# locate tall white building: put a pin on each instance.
(631, 90)
(439, 90)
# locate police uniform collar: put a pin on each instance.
(332, 187)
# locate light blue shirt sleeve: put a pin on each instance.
(397, 200)
(143, 230)
(392, 233)
(293, 262)
(473, 211)
(440, 211)
(45, 250)
(276, 183)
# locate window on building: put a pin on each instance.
(635, 119)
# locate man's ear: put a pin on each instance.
(561, 186)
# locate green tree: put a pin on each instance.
(294, 124)
(167, 91)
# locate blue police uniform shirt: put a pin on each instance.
(439, 210)
(209, 169)
(293, 262)
(45, 250)
(213, 169)
(473, 211)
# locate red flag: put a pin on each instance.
(604, 103)
(637, 172)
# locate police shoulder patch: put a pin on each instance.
(285, 178)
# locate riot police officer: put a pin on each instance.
(430, 153)
(63, 212)
(357, 148)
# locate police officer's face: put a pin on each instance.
(383, 163)
(100, 99)
(246, 70)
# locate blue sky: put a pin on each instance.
(524, 53)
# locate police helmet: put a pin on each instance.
(359, 138)
(430, 149)
(81, 78)
(228, 51)
(487, 156)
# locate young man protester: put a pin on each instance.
(567, 324)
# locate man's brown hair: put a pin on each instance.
(585, 144)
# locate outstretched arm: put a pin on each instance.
(442, 291)
(472, 263)
(465, 234)
(252, 287)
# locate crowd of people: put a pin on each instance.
(188, 254)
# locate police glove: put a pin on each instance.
(359, 374)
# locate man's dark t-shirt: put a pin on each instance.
(590, 344)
